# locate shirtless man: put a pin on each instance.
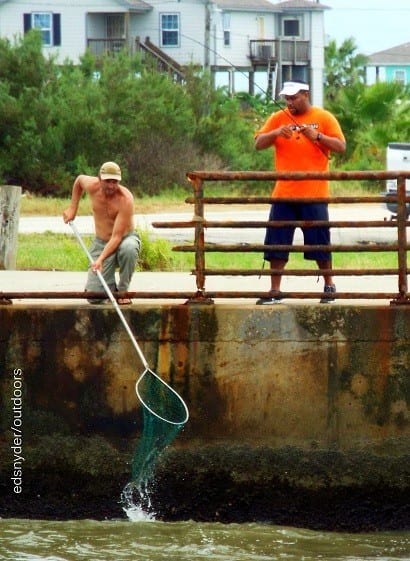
(116, 243)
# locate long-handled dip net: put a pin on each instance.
(164, 414)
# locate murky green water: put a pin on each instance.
(122, 540)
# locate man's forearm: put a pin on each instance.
(265, 140)
(110, 247)
(333, 143)
(71, 212)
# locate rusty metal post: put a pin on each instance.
(402, 240)
(199, 241)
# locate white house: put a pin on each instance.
(255, 40)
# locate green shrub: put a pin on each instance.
(57, 121)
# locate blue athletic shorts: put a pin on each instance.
(284, 235)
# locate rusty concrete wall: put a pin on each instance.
(315, 379)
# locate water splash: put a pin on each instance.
(136, 502)
(163, 409)
(136, 514)
(164, 415)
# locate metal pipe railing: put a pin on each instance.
(199, 223)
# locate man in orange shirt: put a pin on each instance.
(303, 136)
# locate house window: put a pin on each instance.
(291, 28)
(169, 30)
(399, 76)
(47, 23)
(226, 25)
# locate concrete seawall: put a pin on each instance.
(299, 414)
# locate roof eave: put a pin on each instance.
(138, 6)
(301, 5)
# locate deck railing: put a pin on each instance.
(200, 224)
(102, 46)
(284, 51)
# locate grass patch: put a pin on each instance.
(32, 205)
(356, 260)
(61, 252)
(50, 252)
(174, 199)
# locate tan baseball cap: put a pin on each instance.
(110, 170)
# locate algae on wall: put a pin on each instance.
(286, 403)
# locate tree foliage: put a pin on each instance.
(370, 116)
(59, 121)
(343, 67)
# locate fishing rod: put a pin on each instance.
(295, 126)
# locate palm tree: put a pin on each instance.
(371, 117)
(343, 67)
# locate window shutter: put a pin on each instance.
(56, 30)
(27, 22)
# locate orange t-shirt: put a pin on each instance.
(301, 154)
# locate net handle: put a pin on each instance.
(131, 336)
(110, 296)
(176, 394)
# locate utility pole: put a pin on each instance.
(207, 38)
